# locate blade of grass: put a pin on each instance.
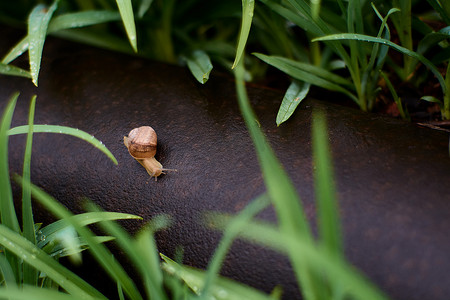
(65, 130)
(144, 259)
(230, 233)
(35, 293)
(30, 275)
(248, 7)
(37, 31)
(7, 212)
(16, 51)
(296, 92)
(82, 19)
(146, 245)
(366, 38)
(126, 11)
(34, 256)
(280, 189)
(143, 8)
(395, 96)
(223, 288)
(47, 233)
(100, 252)
(200, 65)
(62, 22)
(13, 71)
(338, 270)
(308, 73)
(330, 235)
(7, 275)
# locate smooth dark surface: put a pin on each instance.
(393, 177)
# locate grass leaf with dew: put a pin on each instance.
(230, 233)
(295, 93)
(371, 39)
(59, 250)
(137, 254)
(37, 258)
(13, 71)
(280, 189)
(66, 130)
(37, 31)
(126, 11)
(69, 241)
(329, 225)
(200, 65)
(36, 293)
(30, 275)
(223, 288)
(62, 22)
(100, 252)
(308, 73)
(248, 7)
(47, 233)
(7, 275)
(17, 51)
(82, 19)
(337, 269)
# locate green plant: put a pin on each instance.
(29, 255)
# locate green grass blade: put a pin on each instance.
(7, 277)
(230, 233)
(338, 271)
(36, 293)
(444, 10)
(279, 187)
(143, 8)
(95, 38)
(82, 19)
(296, 92)
(327, 205)
(66, 130)
(150, 261)
(47, 233)
(7, 212)
(37, 31)
(371, 39)
(308, 73)
(126, 11)
(13, 71)
(248, 7)
(395, 96)
(144, 259)
(16, 51)
(100, 252)
(37, 258)
(223, 288)
(30, 275)
(200, 65)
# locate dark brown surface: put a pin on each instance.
(393, 177)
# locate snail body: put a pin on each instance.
(141, 144)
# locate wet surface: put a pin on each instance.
(392, 176)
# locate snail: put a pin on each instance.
(141, 144)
